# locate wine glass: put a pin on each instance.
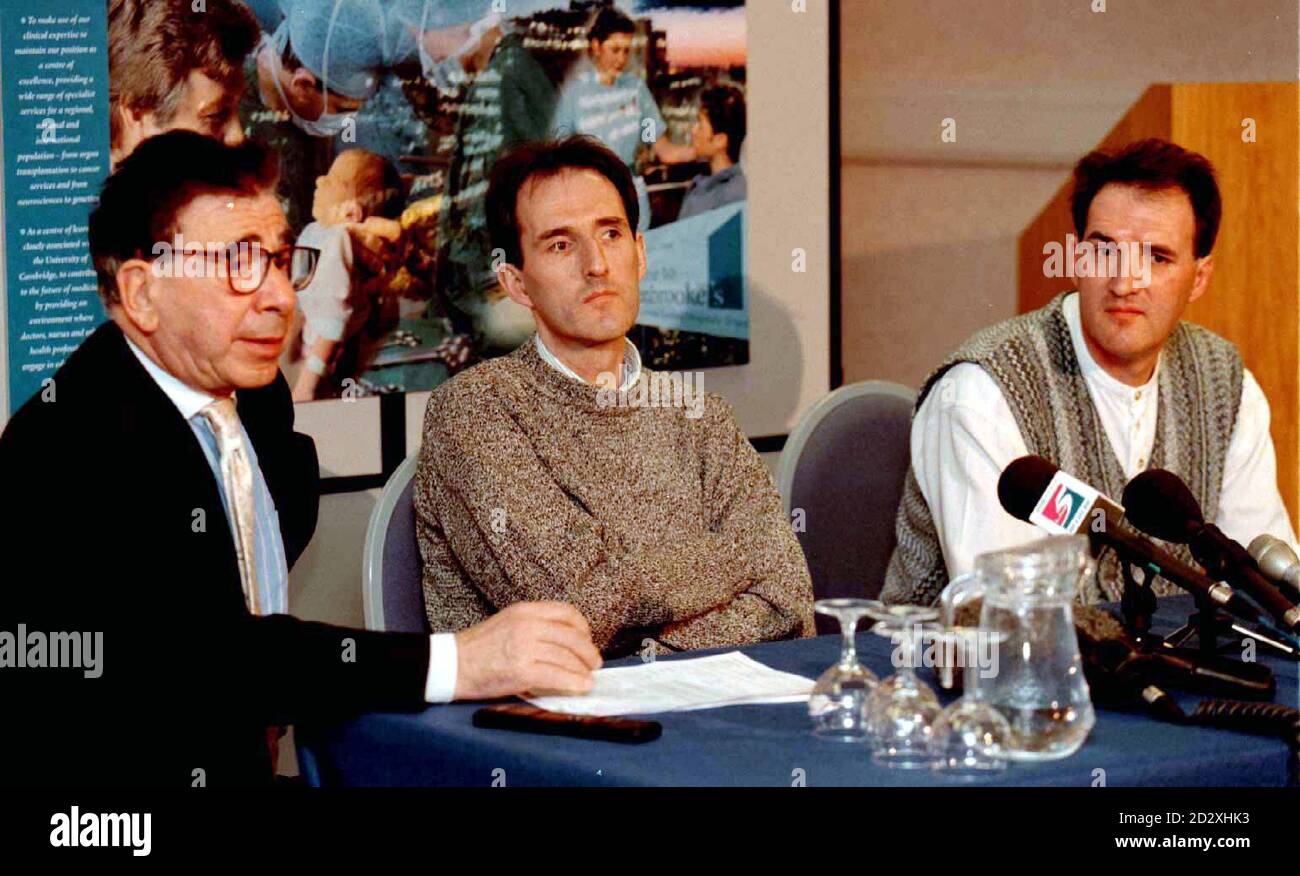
(972, 737)
(903, 711)
(837, 705)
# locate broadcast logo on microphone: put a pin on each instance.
(1063, 505)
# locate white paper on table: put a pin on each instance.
(682, 685)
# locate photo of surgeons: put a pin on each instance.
(387, 116)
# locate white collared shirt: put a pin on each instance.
(963, 437)
(631, 363)
(440, 682)
(188, 400)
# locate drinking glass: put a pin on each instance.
(972, 737)
(903, 711)
(837, 705)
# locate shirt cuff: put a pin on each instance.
(440, 686)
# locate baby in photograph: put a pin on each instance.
(355, 209)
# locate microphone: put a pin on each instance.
(1034, 490)
(1278, 563)
(1160, 504)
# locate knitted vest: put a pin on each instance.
(1032, 360)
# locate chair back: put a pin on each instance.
(841, 477)
(391, 572)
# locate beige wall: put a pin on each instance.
(930, 228)
(914, 288)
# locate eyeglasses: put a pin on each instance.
(297, 262)
(244, 265)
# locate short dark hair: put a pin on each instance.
(610, 21)
(154, 45)
(725, 107)
(541, 159)
(140, 200)
(1152, 164)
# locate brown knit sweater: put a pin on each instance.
(653, 523)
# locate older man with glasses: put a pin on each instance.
(157, 491)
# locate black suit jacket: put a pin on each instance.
(113, 516)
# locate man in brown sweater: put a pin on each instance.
(567, 472)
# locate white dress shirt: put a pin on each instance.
(964, 435)
(631, 363)
(440, 682)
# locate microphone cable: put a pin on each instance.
(1263, 719)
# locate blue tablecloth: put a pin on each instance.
(772, 745)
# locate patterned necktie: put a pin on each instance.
(237, 478)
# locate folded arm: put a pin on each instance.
(746, 508)
(519, 536)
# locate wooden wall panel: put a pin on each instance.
(1254, 296)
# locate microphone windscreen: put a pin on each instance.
(1023, 483)
(1159, 503)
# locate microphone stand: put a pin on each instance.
(1207, 624)
(1138, 604)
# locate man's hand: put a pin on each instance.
(528, 646)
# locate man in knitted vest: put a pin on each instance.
(1106, 382)
(566, 471)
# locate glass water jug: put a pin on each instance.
(1037, 683)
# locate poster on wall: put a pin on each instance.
(390, 182)
(387, 116)
(54, 69)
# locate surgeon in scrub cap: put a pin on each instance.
(269, 13)
(324, 61)
(445, 34)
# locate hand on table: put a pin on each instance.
(526, 647)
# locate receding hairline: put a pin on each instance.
(551, 173)
(1152, 192)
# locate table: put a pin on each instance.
(772, 745)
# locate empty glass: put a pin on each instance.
(837, 705)
(971, 739)
(903, 711)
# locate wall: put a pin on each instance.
(930, 227)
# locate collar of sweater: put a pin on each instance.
(575, 393)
